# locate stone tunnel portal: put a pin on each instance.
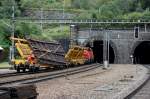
(142, 53)
(98, 52)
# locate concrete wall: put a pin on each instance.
(122, 41)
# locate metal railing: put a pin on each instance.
(83, 21)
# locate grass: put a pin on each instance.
(53, 33)
(56, 32)
(4, 65)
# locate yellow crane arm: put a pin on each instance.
(18, 39)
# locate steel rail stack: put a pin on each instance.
(49, 53)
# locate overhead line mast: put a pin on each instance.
(13, 32)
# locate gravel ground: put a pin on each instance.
(5, 71)
(93, 84)
(26, 76)
(144, 92)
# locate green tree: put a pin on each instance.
(5, 32)
(134, 15)
(109, 10)
(146, 14)
(145, 3)
(6, 8)
(24, 29)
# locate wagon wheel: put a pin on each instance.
(24, 69)
(18, 69)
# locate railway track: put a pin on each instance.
(23, 73)
(37, 77)
(143, 91)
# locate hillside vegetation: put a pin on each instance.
(96, 9)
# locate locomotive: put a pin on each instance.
(78, 55)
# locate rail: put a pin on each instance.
(142, 92)
(25, 79)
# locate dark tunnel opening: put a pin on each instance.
(98, 52)
(142, 53)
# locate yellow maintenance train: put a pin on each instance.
(31, 55)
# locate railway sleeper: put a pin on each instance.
(26, 67)
(20, 67)
(4, 94)
(33, 68)
(21, 91)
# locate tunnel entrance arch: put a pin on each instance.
(98, 52)
(141, 53)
